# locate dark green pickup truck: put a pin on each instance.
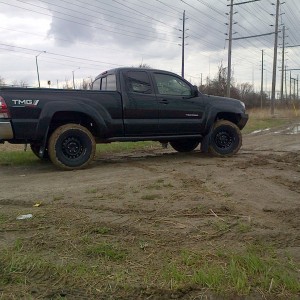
(125, 104)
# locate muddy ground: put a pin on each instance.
(152, 203)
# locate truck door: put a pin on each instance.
(179, 111)
(139, 104)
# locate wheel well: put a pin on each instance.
(232, 117)
(62, 118)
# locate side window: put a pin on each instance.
(138, 82)
(111, 84)
(96, 85)
(108, 83)
(171, 85)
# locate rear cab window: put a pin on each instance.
(106, 83)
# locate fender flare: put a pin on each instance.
(42, 131)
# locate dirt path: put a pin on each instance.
(160, 200)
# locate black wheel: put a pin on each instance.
(71, 146)
(184, 145)
(35, 148)
(226, 139)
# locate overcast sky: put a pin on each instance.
(91, 36)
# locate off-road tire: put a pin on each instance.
(184, 145)
(71, 147)
(35, 148)
(226, 139)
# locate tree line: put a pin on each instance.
(242, 91)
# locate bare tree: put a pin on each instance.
(67, 85)
(2, 81)
(20, 83)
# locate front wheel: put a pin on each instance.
(184, 145)
(226, 139)
(71, 146)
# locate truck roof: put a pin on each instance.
(117, 70)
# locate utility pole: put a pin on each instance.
(230, 39)
(282, 65)
(229, 49)
(275, 59)
(183, 43)
(285, 79)
(262, 79)
(297, 87)
(290, 85)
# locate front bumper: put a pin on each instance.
(243, 121)
(6, 132)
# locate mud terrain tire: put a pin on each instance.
(71, 146)
(226, 139)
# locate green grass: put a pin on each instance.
(3, 218)
(262, 119)
(106, 265)
(108, 251)
(150, 197)
(17, 158)
(100, 230)
(126, 146)
(259, 124)
(238, 272)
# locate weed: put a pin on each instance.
(105, 250)
(58, 197)
(3, 218)
(154, 186)
(243, 227)
(91, 191)
(174, 275)
(160, 181)
(201, 208)
(125, 146)
(220, 225)
(101, 230)
(150, 197)
(168, 185)
(143, 245)
(227, 195)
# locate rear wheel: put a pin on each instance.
(226, 139)
(184, 145)
(35, 148)
(71, 146)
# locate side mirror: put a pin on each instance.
(195, 92)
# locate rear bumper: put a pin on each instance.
(6, 132)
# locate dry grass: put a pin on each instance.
(262, 119)
(265, 113)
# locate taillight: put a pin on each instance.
(4, 112)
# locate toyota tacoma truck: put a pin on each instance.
(124, 104)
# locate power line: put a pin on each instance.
(62, 55)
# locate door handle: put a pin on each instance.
(164, 101)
